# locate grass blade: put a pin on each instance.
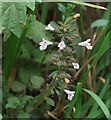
(78, 2)
(100, 103)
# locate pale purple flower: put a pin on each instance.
(44, 44)
(70, 94)
(61, 45)
(86, 44)
(75, 65)
(49, 27)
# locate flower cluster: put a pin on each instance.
(61, 45)
(45, 43)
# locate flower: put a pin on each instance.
(86, 44)
(44, 44)
(75, 65)
(49, 27)
(61, 45)
(70, 94)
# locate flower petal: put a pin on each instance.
(44, 44)
(86, 44)
(70, 94)
(43, 47)
(89, 47)
(75, 65)
(61, 45)
(49, 27)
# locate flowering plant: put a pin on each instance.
(51, 61)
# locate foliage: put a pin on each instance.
(34, 79)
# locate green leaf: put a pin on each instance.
(50, 101)
(102, 94)
(61, 8)
(17, 86)
(37, 81)
(48, 58)
(103, 48)
(13, 102)
(30, 5)
(14, 17)
(79, 3)
(54, 24)
(25, 99)
(37, 30)
(13, 48)
(23, 115)
(100, 102)
(99, 23)
(39, 55)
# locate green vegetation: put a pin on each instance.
(55, 65)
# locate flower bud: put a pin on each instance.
(77, 15)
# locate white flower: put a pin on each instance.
(75, 65)
(86, 44)
(49, 27)
(61, 45)
(70, 94)
(40, 1)
(44, 44)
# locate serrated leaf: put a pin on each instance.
(30, 5)
(37, 81)
(13, 102)
(17, 86)
(50, 101)
(14, 17)
(37, 31)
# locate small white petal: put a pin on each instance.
(75, 65)
(44, 44)
(61, 45)
(88, 40)
(89, 47)
(43, 47)
(70, 94)
(86, 44)
(47, 42)
(68, 91)
(49, 27)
